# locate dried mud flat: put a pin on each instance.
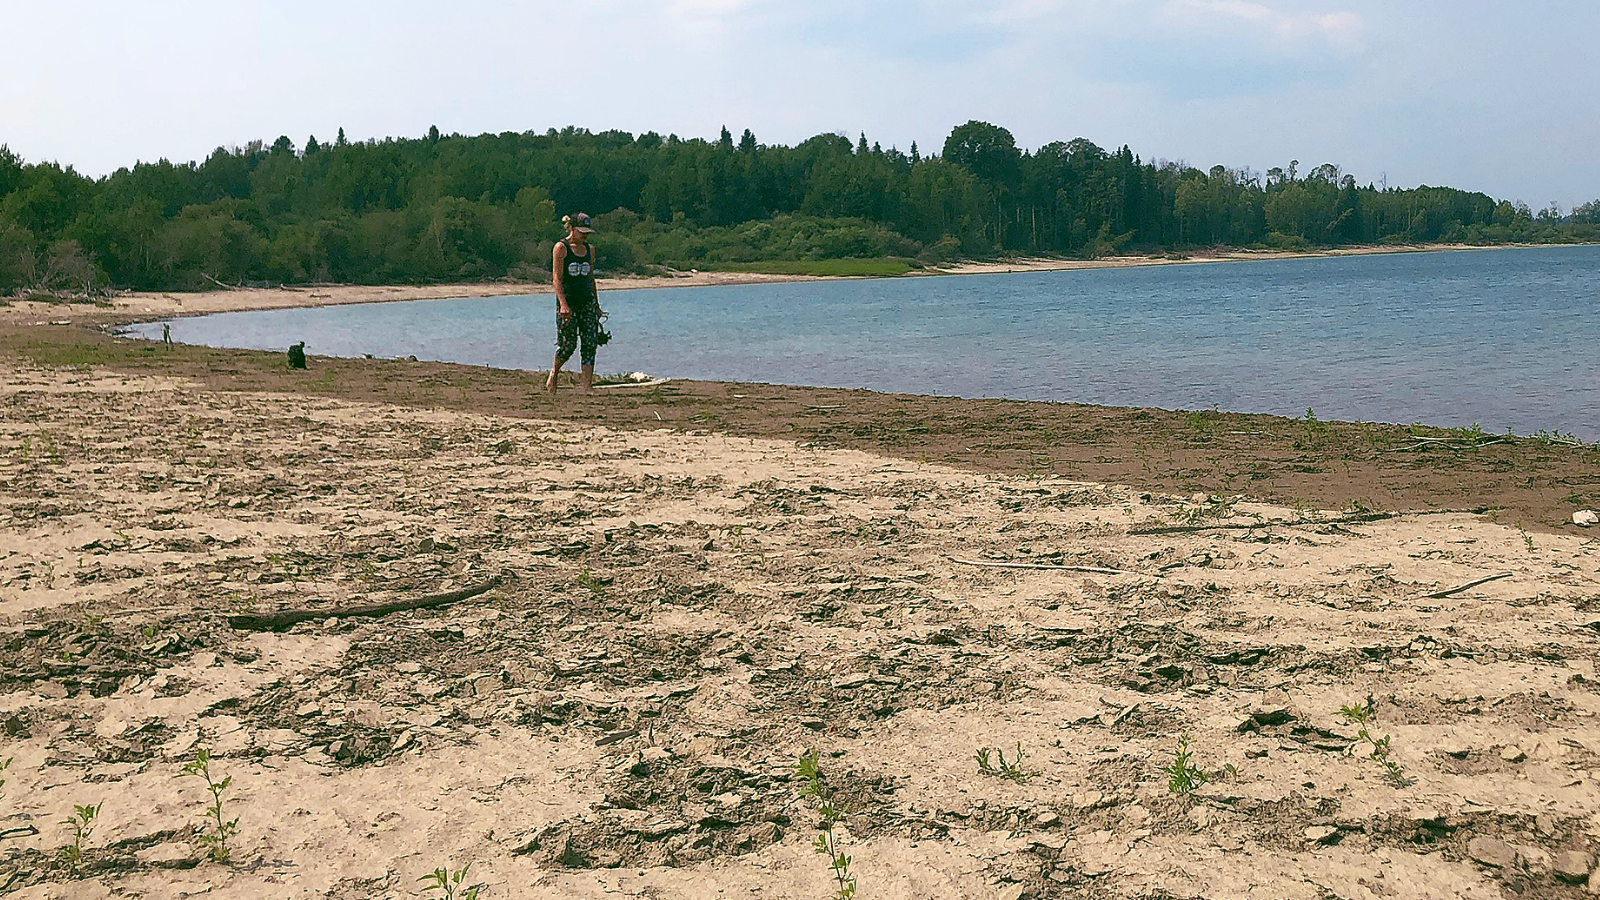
(674, 618)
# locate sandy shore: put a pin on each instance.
(145, 305)
(142, 305)
(646, 604)
(671, 618)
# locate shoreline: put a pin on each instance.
(654, 601)
(1295, 462)
(134, 307)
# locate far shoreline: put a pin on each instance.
(137, 307)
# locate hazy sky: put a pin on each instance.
(1477, 94)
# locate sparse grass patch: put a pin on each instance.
(1202, 425)
(1471, 434)
(1556, 437)
(994, 763)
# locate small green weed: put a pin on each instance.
(82, 824)
(293, 571)
(1361, 714)
(217, 839)
(447, 883)
(1555, 437)
(1184, 777)
(997, 765)
(1201, 424)
(1314, 433)
(811, 785)
(595, 584)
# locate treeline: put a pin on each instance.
(450, 207)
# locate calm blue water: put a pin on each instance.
(1502, 338)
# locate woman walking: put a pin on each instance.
(578, 309)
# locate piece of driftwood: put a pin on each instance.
(1445, 443)
(1098, 570)
(1471, 584)
(1270, 523)
(288, 617)
(221, 284)
(628, 384)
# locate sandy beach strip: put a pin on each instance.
(666, 595)
(672, 617)
(133, 306)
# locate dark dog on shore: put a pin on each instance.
(297, 355)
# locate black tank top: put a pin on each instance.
(577, 279)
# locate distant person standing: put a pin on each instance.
(578, 309)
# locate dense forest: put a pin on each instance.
(451, 207)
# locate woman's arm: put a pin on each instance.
(558, 258)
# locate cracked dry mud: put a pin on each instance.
(679, 616)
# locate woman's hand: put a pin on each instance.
(565, 312)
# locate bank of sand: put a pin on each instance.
(145, 305)
(670, 616)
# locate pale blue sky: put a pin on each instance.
(1491, 96)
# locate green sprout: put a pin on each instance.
(82, 824)
(594, 583)
(1011, 771)
(1360, 714)
(217, 839)
(827, 843)
(448, 882)
(1184, 777)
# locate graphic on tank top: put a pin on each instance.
(577, 280)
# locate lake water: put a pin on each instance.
(1501, 338)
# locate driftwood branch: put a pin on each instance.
(628, 384)
(1270, 523)
(1447, 443)
(221, 284)
(1098, 570)
(288, 617)
(1471, 584)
